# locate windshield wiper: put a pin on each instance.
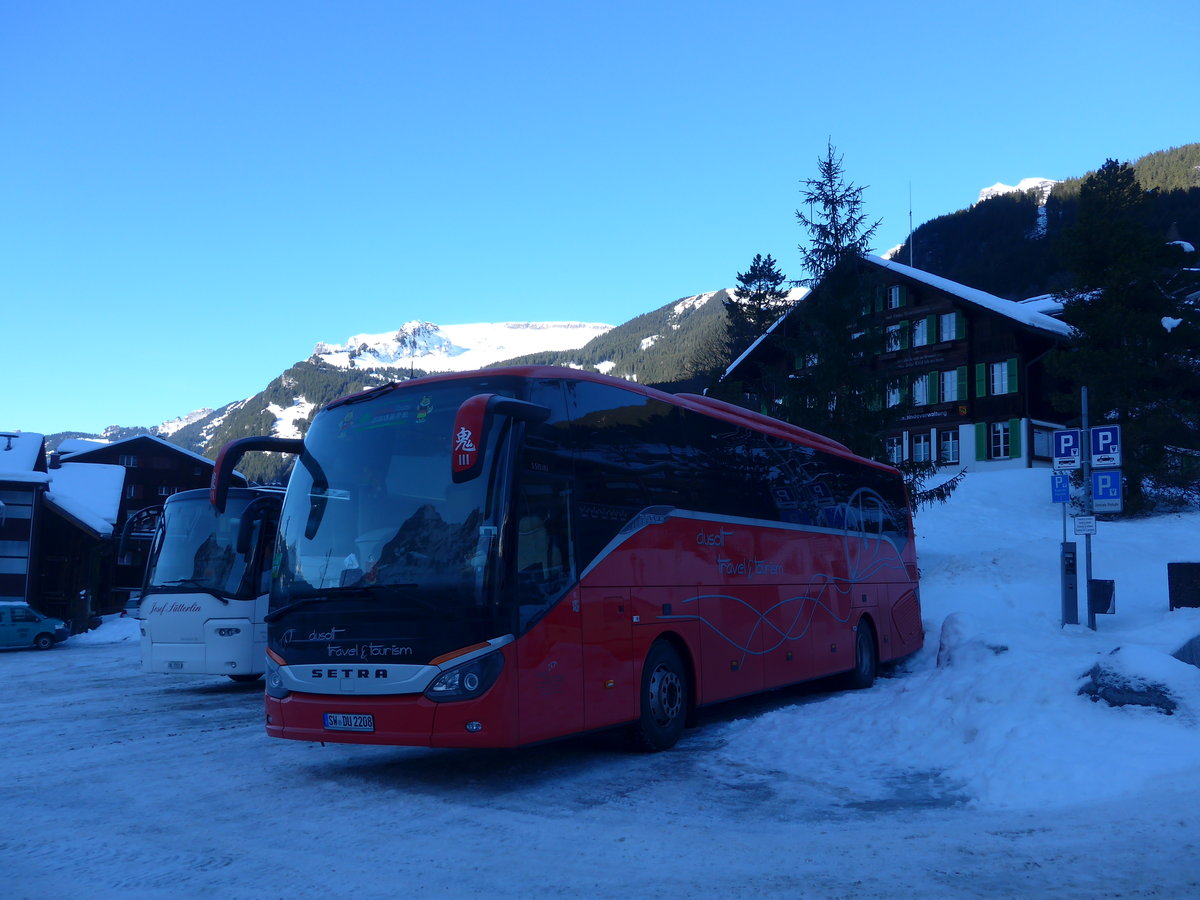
(276, 614)
(356, 590)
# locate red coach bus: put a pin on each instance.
(501, 557)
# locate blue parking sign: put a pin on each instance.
(1067, 448)
(1106, 491)
(1060, 488)
(1106, 445)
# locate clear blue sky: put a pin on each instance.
(195, 193)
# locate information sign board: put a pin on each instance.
(1085, 524)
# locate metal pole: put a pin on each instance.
(1085, 453)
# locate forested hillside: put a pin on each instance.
(680, 343)
(1009, 245)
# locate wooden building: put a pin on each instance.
(55, 529)
(966, 368)
(154, 470)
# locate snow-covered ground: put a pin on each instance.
(986, 776)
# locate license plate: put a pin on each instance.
(349, 722)
(175, 664)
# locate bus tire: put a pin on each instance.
(663, 700)
(43, 641)
(866, 657)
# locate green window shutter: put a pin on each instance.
(880, 293)
(935, 387)
(962, 383)
(903, 296)
(960, 326)
(1012, 375)
(1014, 438)
(980, 380)
(931, 330)
(904, 335)
(981, 440)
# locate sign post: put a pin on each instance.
(1097, 452)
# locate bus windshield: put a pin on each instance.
(195, 548)
(372, 513)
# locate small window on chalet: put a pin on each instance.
(951, 326)
(920, 330)
(897, 296)
(128, 460)
(948, 445)
(921, 446)
(894, 447)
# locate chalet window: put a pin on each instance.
(954, 384)
(921, 390)
(992, 379)
(921, 447)
(133, 492)
(897, 337)
(165, 491)
(897, 296)
(951, 326)
(893, 394)
(998, 440)
(948, 445)
(920, 333)
(894, 446)
(128, 460)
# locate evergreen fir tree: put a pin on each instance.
(835, 390)
(758, 300)
(1136, 345)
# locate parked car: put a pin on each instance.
(23, 626)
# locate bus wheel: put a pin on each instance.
(664, 699)
(43, 642)
(866, 657)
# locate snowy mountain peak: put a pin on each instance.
(172, 426)
(1043, 185)
(452, 348)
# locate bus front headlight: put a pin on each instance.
(468, 681)
(274, 680)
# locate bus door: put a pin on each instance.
(543, 576)
(609, 690)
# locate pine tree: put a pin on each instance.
(836, 390)
(1136, 344)
(758, 300)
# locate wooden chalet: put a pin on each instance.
(966, 367)
(55, 529)
(154, 470)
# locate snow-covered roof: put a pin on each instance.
(77, 456)
(1018, 312)
(795, 295)
(1047, 304)
(20, 454)
(78, 445)
(88, 492)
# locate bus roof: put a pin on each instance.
(719, 409)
